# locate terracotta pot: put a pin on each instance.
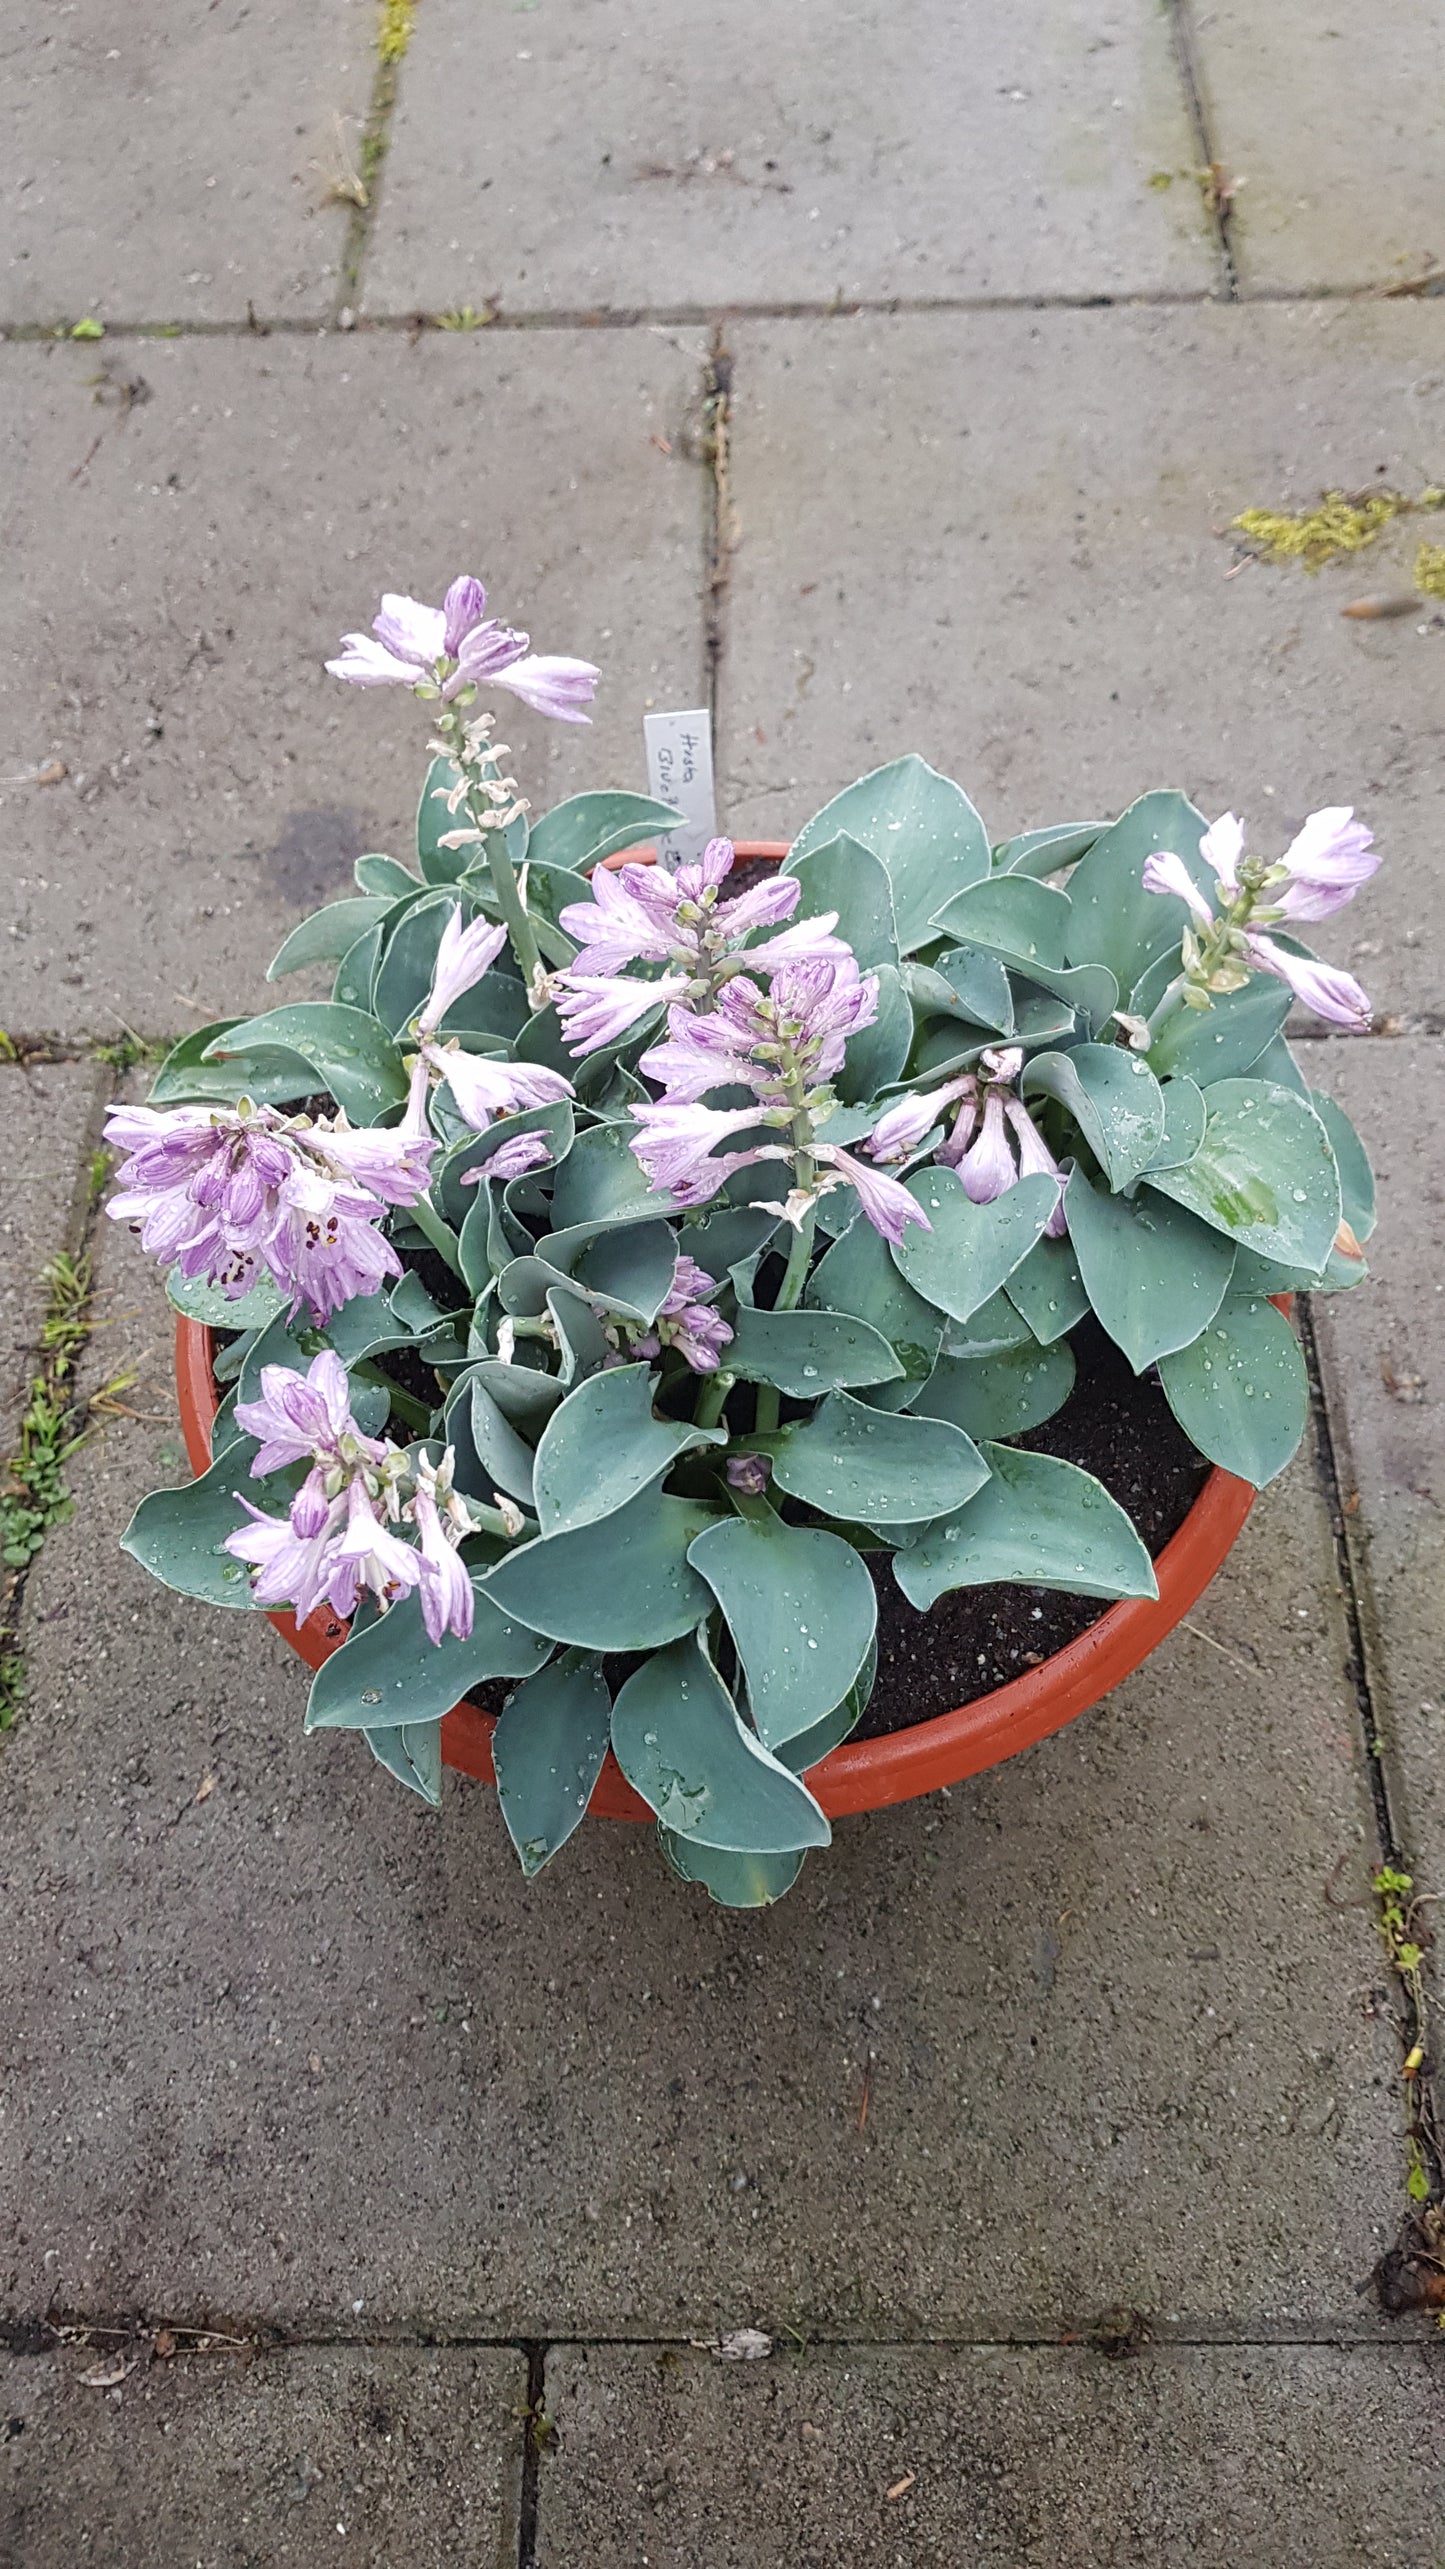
(864, 1774)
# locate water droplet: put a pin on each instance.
(370, 1697)
(1300, 1196)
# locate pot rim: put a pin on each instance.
(861, 1774)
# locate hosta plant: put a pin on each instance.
(625, 1261)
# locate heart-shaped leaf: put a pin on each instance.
(1045, 851)
(385, 877)
(807, 1353)
(178, 1535)
(1241, 1392)
(603, 1445)
(879, 1468)
(921, 827)
(1154, 1274)
(678, 1740)
(1048, 1291)
(547, 1750)
(733, 1881)
(1038, 1521)
(1357, 1178)
(1184, 1120)
(970, 1249)
(1264, 1174)
(622, 1583)
(801, 1610)
(857, 1275)
(1219, 1042)
(356, 972)
(404, 977)
(878, 1053)
(412, 1752)
(269, 1073)
(208, 1303)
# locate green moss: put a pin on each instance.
(1429, 577)
(1340, 524)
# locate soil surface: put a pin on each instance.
(1117, 1425)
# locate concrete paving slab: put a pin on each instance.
(1306, 2457)
(46, 1118)
(1382, 1352)
(999, 539)
(183, 173)
(358, 2457)
(181, 567)
(1333, 156)
(297, 2044)
(598, 157)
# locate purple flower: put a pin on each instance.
(292, 1564)
(687, 1322)
(597, 1010)
(616, 926)
(1326, 864)
(550, 686)
(446, 1591)
(675, 1142)
(512, 1158)
(988, 1167)
(700, 1053)
(1168, 873)
(1037, 1160)
(444, 649)
(462, 957)
(806, 941)
(1336, 996)
(304, 1414)
(1222, 846)
(646, 914)
(887, 1205)
(365, 1554)
(748, 1472)
(902, 1126)
(230, 1193)
(484, 1087)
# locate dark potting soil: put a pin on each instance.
(1115, 1424)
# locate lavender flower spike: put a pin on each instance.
(687, 1322)
(595, 1010)
(447, 1600)
(675, 1142)
(1222, 847)
(463, 955)
(367, 1555)
(484, 1088)
(901, 1128)
(512, 1158)
(1336, 996)
(550, 686)
(439, 651)
(292, 1559)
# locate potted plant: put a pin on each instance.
(664, 1335)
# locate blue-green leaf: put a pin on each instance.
(970, 1249)
(677, 1737)
(1184, 1120)
(548, 1749)
(1048, 1291)
(857, 1275)
(1037, 1521)
(603, 1445)
(269, 1073)
(208, 1304)
(1045, 851)
(1241, 1393)
(842, 875)
(1221, 1041)
(627, 1270)
(807, 1353)
(346, 1049)
(1113, 1097)
(1264, 1173)
(999, 1395)
(1154, 1274)
(623, 1583)
(921, 827)
(587, 827)
(1117, 923)
(1357, 1178)
(601, 1182)
(801, 1610)
(178, 1535)
(878, 1054)
(404, 977)
(385, 877)
(733, 1881)
(328, 934)
(412, 1752)
(851, 1461)
(356, 972)
(389, 1670)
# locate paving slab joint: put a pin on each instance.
(33, 1496)
(720, 537)
(1214, 179)
(362, 186)
(1394, 1876)
(538, 2436)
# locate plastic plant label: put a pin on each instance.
(679, 771)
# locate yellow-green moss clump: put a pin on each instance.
(1430, 571)
(397, 20)
(1338, 525)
